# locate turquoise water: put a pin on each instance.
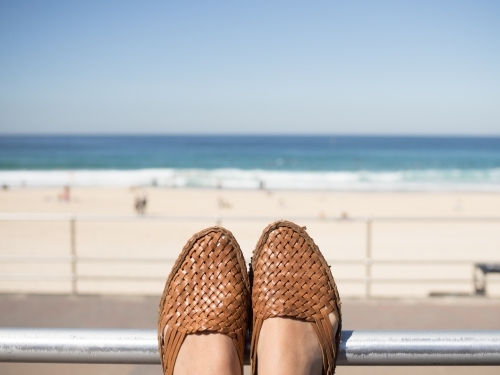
(297, 162)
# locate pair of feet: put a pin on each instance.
(289, 302)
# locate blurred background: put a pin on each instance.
(126, 127)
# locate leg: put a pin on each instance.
(290, 346)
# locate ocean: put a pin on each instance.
(364, 163)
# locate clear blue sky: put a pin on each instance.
(351, 67)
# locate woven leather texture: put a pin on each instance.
(292, 279)
(207, 291)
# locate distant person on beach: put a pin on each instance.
(65, 196)
(140, 204)
(222, 203)
(290, 301)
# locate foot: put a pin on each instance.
(207, 353)
(202, 320)
(296, 307)
(290, 346)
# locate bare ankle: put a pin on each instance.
(210, 354)
(288, 346)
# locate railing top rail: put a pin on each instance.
(358, 348)
(8, 258)
(98, 217)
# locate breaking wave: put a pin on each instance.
(404, 180)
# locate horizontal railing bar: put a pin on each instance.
(121, 278)
(71, 259)
(418, 281)
(91, 259)
(424, 262)
(333, 262)
(341, 280)
(420, 348)
(50, 277)
(35, 277)
(36, 259)
(35, 217)
(163, 279)
(78, 346)
(59, 277)
(94, 217)
(101, 218)
(357, 348)
(430, 218)
(125, 260)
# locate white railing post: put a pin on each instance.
(218, 220)
(74, 258)
(368, 257)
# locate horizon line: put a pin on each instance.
(218, 134)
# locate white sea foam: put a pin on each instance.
(407, 180)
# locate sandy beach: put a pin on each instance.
(246, 213)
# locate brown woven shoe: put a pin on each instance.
(207, 291)
(291, 279)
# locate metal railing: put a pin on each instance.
(357, 348)
(74, 259)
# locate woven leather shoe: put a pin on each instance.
(291, 279)
(207, 291)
